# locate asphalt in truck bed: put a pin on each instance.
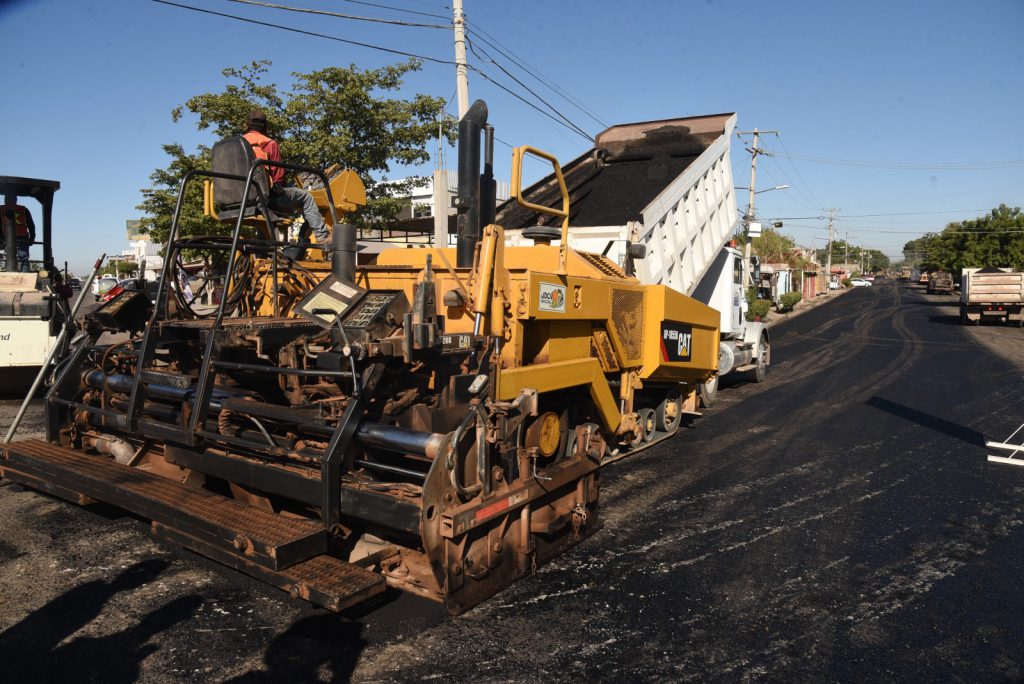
(838, 521)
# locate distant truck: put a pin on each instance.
(940, 282)
(991, 293)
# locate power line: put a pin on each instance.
(798, 175)
(913, 166)
(806, 202)
(490, 40)
(916, 213)
(949, 194)
(483, 74)
(436, 60)
(340, 15)
(396, 9)
(430, 4)
(568, 122)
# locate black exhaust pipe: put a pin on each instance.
(343, 256)
(488, 188)
(468, 202)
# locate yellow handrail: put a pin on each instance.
(517, 186)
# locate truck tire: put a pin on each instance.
(966, 319)
(708, 392)
(757, 374)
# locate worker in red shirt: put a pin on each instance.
(24, 228)
(283, 197)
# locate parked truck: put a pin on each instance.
(657, 198)
(991, 293)
(940, 282)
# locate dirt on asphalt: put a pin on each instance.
(838, 521)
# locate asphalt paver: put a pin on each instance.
(838, 521)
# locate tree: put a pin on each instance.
(124, 268)
(996, 239)
(329, 116)
(773, 247)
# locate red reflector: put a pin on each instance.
(488, 511)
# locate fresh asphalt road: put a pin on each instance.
(838, 521)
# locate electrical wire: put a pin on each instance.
(789, 156)
(436, 60)
(340, 15)
(490, 40)
(917, 213)
(806, 199)
(913, 166)
(371, 46)
(567, 122)
(396, 9)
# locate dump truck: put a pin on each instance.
(434, 422)
(30, 315)
(657, 198)
(991, 293)
(940, 282)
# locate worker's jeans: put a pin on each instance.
(22, 252)
(295, 200)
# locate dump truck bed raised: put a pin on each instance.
(664, 184)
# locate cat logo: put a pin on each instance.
(676, 342)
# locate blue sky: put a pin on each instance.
(923, 91)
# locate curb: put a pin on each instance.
(804, 305)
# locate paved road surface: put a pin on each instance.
(836, 522)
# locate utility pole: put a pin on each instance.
(846, 252)
(440, 191)
(754, 150)
(461, 81)
(828, 268)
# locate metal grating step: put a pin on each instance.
(262, 537)
(323, 580)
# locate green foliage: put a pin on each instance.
(759, 308)
(789, 300)
(330, 116)
(123, 267)
(995, 239)
(847, 282)
(874, 259)
(772, 246)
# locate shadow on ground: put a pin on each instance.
(964, 434)
(314, 644)
(36, 649)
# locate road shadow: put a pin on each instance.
(36, 649)
(950, 319)
(312, 646)
(933, 300)
(964, 434)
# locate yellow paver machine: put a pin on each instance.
(435, 421)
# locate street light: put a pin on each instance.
(767, 189)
